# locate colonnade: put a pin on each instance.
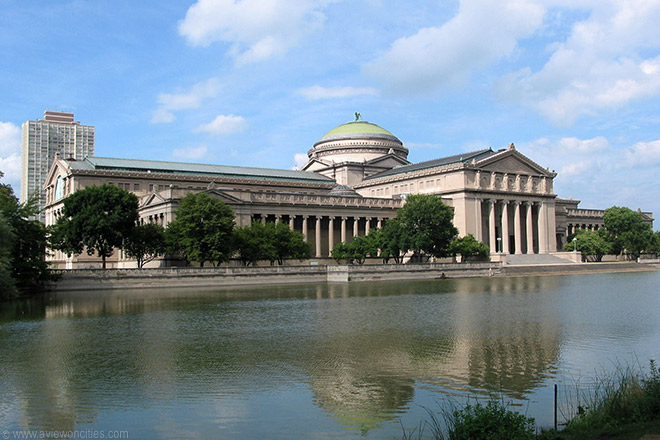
(326, 230)
(572, 228)
(516, 226)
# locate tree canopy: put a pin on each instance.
(468, 247)
(426, 226)
(96, 218)
(22, 245)
(627, 231)
(145, 242)
(592, 244)
(357, 250)
(270, 242)
(203, 230)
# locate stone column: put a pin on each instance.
(331, 234)
(304, 226)
(380, 223)
(263, 219)
(343, 229)
(367, 225)
(291, 220)
(278, 218)
(530, 229)
(355, 226)
(478, 233)
(317, 230)
(492, 240)
(505, 227)
(543, 228)
(517, 228)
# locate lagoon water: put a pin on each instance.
(338, 361)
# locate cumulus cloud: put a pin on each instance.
(190, 152)
(10, 154)
(171, 102)
(10, 138)
(317, 92)
(606, 62)
(642, 154)
(599, 172)
(436, 57)
(256, 29)
(571, 157)
(299, 159)
(224, 124)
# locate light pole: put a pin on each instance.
(499, 244)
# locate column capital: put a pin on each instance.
(305, 217)
(344, 217)
(331, 217)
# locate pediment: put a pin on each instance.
(512, 162)
(57, 168)
(151, 199)
(223, 196)
(388, 161)
(314, 165)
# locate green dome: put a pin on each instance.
(357, 127)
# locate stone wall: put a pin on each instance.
(98, 279)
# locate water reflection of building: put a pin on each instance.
(363, 349)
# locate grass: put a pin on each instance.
(624, 406)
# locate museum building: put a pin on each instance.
(357, 176)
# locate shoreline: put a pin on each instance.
(99, 279)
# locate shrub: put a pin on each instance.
(493, 421)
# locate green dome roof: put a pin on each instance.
(357, 127)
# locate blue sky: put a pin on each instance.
(574, 84)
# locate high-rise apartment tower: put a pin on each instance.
(57, 132)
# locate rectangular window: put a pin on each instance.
(136, 187)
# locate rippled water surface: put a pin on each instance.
(314, 361)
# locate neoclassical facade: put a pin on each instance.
(357, 176)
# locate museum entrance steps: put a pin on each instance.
(533, 259)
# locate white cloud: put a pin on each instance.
(437, 57)
(571, 157)
(10, 154)
(11, 167)
(300, 159)
(224, 124)
(604, 63)
(257, 29)
(318, 92)
(191, 152)
(170, 102)
(642, 154)
(10, 138)
(599, 173)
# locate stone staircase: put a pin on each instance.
(533, 259)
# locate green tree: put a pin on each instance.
(427, 226)
(203, 230)
(25, 261)
(391, 241)
(7, 240)
(592, 244)
(627, 231)
(145, 243)
(96, 219)
(357, 250)
(287, 243)
(252, 244)
(468, 247)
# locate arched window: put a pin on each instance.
(59, 188)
